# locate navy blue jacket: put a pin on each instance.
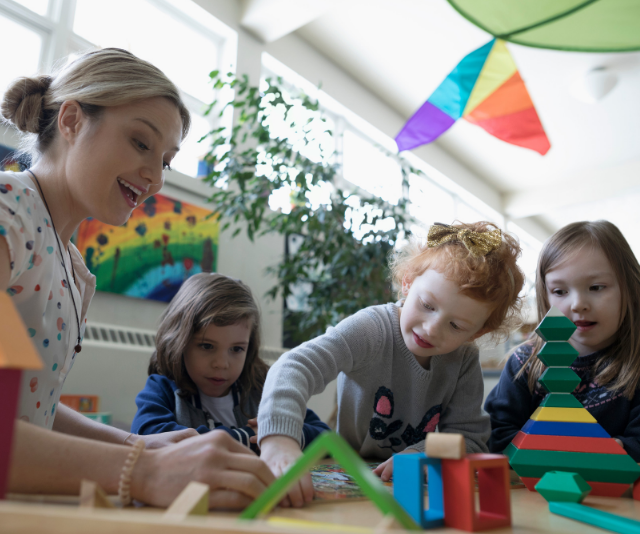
(162, 409)
(510, 403)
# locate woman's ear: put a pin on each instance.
(71, 118)
(406, 284)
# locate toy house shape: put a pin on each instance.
(17, 353)
(561, 434)
(335, 446)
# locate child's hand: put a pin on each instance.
(279, 453)
(157, 441)
(253, 423)
(385, 469)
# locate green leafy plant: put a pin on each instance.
(346, 236)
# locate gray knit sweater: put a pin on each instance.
(386, 401)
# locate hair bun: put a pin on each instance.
(23, 101)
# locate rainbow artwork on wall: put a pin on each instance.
(164, 242)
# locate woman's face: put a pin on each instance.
(115, 163)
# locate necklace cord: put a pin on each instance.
(78, 346)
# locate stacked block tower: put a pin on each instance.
(561, 434)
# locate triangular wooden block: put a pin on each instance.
(194, 500)
(93, 496)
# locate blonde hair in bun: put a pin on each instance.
(97, 79)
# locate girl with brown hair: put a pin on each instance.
(99, 132)
(588, 271)
(207, 373)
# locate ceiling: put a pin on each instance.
(402, 49)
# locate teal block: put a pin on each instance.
(408, 488)
(596, 518)
(560, 486)
(559, 380)
(557, 354)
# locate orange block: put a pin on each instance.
(16, 349)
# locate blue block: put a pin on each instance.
(408, 488)
(553, 428)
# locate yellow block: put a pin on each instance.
(497, 69)
(564, 415)
(316, 525)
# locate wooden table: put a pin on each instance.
(60, 515)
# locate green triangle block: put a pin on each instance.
(559, 380)
(559, 486)
(557, 354)
(561, 400)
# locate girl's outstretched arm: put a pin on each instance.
(50, 462)
(510, 403)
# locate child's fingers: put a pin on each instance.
(378, 470)
(253, 439)
(228, 500)
(307, 488)
(296, 495)
(387, 473)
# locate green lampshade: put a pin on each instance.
(579, 25)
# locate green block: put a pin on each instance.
(332, 444)
(561, 400)
(559, 380)
(556, 328)
(559, 486)
(596, 518)
(557, 353)
(593, 467)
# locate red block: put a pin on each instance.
(636, 490)
(458, 481)
(9, 394)
(598, 489)
(567, 443)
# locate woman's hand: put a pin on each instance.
(235, 475)
(157, 441)
(279, 453)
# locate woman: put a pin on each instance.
(100, 134)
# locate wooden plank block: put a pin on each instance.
(567, 444)
(93, 496)
(444, 445)
(598, 489)
(597, 518)
(566, 415)
(554, 428)
(598, 467)
(561, 400)
(193, 500)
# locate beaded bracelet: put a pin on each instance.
(124, 487)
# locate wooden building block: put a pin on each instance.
(567, 444)
(594, 517)
(554, 428)
(561, 400)
(458, 478)
(93, 496)
(565, 415)
(193, 500)
(598, 489)
(597, 467)
(559, 380)
(445, 445)
(332, 444)
(557, 354)
(408, 488)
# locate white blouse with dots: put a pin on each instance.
(40, 291)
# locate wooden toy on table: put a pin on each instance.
(335, 446)
(193, 500)
(561, 434)
(565, 492)
(93, 496)
(17, 354)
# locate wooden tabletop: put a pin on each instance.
(60, 515)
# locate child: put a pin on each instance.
(206, 373)
(588, 271)
(403, 369)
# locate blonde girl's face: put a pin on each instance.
(436, 318)
(215, 357)
(584, 287)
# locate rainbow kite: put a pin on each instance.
(486, 89)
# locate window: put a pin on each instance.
(183, 40)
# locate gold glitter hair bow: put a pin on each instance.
(477, 243)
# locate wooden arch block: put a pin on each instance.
(444, 445)
(458, 478)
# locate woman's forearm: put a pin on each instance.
(71, 422)
(51, 462)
